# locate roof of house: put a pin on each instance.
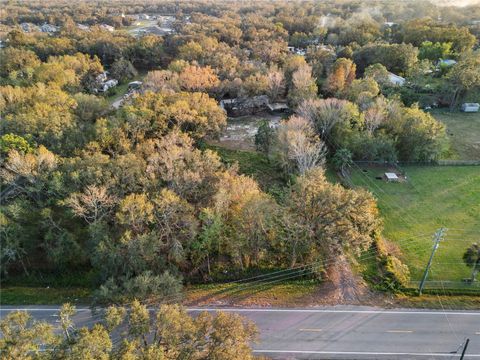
(277, 106)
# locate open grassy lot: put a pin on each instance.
(432, 197)
(464, 132)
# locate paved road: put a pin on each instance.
(344, 332)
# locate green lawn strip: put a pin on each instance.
(433, 301)
(463, 130)
(433, 197)
(22, 295)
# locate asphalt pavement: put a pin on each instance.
(341, 332)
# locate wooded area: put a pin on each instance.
(133, 196)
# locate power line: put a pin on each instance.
(301, 272)
(406, 243)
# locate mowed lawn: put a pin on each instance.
(463, 130)
(432, 197)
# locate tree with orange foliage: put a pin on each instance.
(196, 78)
(340, 77)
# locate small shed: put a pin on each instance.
(389, 176)
(470, 107)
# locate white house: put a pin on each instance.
(396, 80)
(470, 107)
(108, 85)
(446, 62)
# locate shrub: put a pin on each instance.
(395, 272)
(163, 288)
(264, 137)
(14, 142)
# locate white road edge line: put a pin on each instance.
(400, 331)
(329, 311)
(308, 311)
(357, 353)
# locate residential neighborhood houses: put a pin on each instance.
(45, 28)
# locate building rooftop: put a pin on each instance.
(391, 176)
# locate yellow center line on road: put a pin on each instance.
(313, 330)
(400, 331)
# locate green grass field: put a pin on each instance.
(432, 197)
(463, 130)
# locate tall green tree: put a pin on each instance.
(465, 76)
(471, 257)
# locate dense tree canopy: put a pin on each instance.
(171, 334)
(121, 181)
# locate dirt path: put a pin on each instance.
(343, 286)
(117, 102)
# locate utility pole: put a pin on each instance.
(464, 349)
(437, 238)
